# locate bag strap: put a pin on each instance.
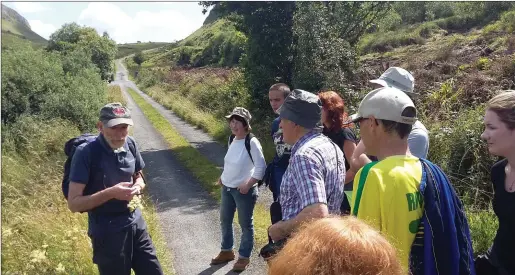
(247, 145)
(132, 148)
(231, 138)
(248, 137)
(361, 186)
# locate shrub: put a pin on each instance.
(456, 146)
(35, 82)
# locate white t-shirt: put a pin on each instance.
(238, 167)
(418, 140)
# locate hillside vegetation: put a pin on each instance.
(132, 48)
(460, 53)
(15, 27)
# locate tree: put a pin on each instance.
(72, 37)
(325, 35)
(269, 55)
(309, 44)
(51, 85)
(138, 58)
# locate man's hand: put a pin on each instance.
(276, 232)
(123, 191)
(219, 182)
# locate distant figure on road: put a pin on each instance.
(335, 246)
(105, 175)
(312, 186)
(500, 135)
(244, 166)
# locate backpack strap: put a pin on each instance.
(361, 186)
(132, 148)
(95, 165)
(247, 144)
(231, 138)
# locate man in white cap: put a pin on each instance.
(418, 139)
(386, 193)
(408, 199)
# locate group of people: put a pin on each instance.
(342, 204)
(334, 192)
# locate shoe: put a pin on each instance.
(223, 257)
(240, 265)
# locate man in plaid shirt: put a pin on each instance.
(312, 186)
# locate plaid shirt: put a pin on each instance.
(316, 174)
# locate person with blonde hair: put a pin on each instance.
(336, 246)
(499, 133)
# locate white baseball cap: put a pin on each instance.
(387, 104)
(398, 78)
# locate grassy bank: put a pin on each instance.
(205, 171)
(39, 233)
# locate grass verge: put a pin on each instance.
(212, 125)
(205, 171)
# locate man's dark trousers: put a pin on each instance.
(116, 253)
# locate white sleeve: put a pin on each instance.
(259, 159)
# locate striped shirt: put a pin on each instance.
(316, 174)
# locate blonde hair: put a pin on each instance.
(336, 245)
(503, 105)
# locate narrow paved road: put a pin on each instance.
(188, 216)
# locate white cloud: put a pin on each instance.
(161, 26)
(43, 29)
(29, 7)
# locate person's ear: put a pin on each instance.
(100, 126)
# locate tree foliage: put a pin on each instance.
(138, 58)
(50, 85)
(308, 44)
(72, 37)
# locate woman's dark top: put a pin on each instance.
(504, 207)
(339, 137)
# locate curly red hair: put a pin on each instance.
(336, 246)
(335, 107)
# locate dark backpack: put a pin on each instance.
(247, 146)
(69, 150)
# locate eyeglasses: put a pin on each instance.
(359, 120)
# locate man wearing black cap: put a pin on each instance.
(105, 175)
(312, 186)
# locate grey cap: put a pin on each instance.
(303, 108)
(398, 78)
(114, 114)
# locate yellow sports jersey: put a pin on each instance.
(391, 201)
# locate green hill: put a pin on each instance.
(131, 48)
(217, 43)
(16, 27)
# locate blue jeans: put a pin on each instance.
(232, 199)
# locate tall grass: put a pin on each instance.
(39, 234)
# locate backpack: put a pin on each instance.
(69, 150)
(247, 146)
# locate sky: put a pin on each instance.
(125, 22)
